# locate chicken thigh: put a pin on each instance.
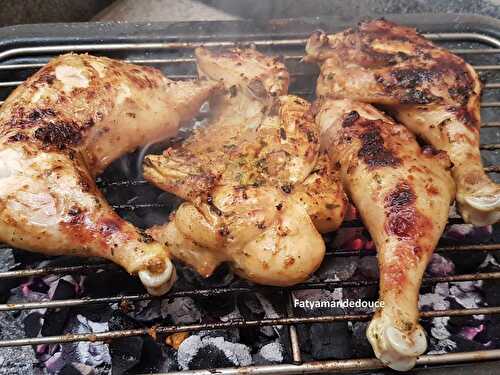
(403, 194)
(252, 177)
(61, 128)
(428, 89)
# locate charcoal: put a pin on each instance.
(465, 345)
(125, 353)
(469, 263)
(368, 267)
(203, 351)
(151, 357)
(76, 369)
(96, 313)
(337, 268)
(182, 310)
(209, 356)
(110, 283)
(145, 311)
(32, 324)
(440, 266)
(332, 340)
(467, 234)
(491, 292)
(361, 346)
(54, 322)
(456, 323)
(120, 321)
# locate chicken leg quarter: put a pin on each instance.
(403, 195)
(61, 128)
(428, 89)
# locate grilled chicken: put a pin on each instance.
(403, 194)
(428, 89)
(252, 177)
(61, 128)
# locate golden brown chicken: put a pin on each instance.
(428, 89)
(61, 128)
(403, 194)
(252, 177)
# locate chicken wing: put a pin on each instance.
(242, 177)
(62, 127)
(403, 195)
(428, 89)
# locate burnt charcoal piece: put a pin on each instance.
(467, 263)
(360, 344)
(32, 324)
(209, 357)
(491, 292)
(125, 353)
(334, 268)
(96, 313)
(205, 351)
(110, 283)
(465, 345)
(55, 320)
(456, 323)
(119, 321)
(304, 333)
(151, 358)
(77, 369)
(331, 341)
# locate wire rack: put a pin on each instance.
(482, 51)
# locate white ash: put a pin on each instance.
(467, 294)
(15, 360)
(272, 352)
(437, 301)
(89, 353)
(180, 310)
(238, 354)
(443, 346)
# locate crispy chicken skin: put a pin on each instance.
(61, 128)
(252, 177)
(403, 194)
(428, 89)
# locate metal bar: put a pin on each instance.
(491, 146)
(343, 365)
(291, 42)
(221, 291)
(294, 337)
(155, 330)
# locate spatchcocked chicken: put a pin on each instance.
(428, 89)
(403, 194)
(257, 189)
(61, 128)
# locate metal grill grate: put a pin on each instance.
(483, 52)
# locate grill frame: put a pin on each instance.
(19, 41)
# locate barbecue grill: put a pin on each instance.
(170, 47)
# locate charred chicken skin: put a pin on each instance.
(428, 89)
(254, 183)
(403, 194)
(61, 128)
